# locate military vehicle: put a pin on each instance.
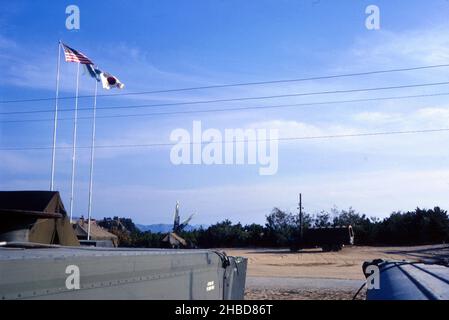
(40, 258)
(329, 239)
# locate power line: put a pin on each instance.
(241, 99)
(241, 84)
(372, 134)
(236, 108)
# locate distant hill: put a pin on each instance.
(165, 228)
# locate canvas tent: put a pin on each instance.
(97, 233)
(174, 241)
(35, 217)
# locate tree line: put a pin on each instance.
(418, 227)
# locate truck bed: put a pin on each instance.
(42, 273)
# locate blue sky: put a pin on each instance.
(152, 45)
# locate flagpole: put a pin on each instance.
(92, 151)
(75, 122)
(55, 126)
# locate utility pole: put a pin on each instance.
(300, 216)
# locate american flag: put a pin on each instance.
(71, 55)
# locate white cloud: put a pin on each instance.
(377, 117)
(414, 47)
(436, 116)
(19, 162)
(422, 118)
(292, 129)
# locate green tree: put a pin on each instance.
(281, 227)
(322, 220)
(256, 235)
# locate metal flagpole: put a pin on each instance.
(75, 122)
(92, 152)
(56, 120)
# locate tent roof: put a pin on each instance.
(96, 232)
(40, 203)
(174, 239)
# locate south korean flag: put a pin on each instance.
(109, 81)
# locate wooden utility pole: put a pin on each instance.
(300, 215)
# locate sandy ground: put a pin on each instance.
(313, 274)
(302, 294)
(276, 288)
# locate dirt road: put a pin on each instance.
(346, 264)
(313, 274)
(274, 288)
